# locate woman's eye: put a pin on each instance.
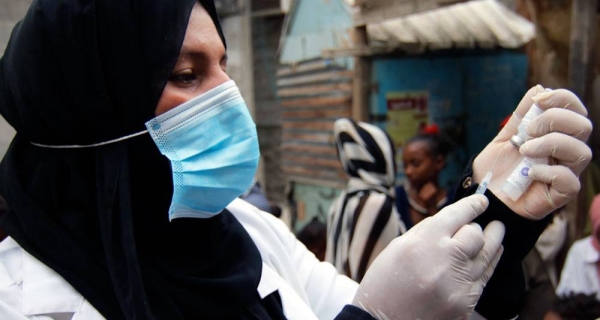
(183, 78)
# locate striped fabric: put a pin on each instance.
(363, 220)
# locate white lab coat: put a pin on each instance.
(309, 289)
(580, 274)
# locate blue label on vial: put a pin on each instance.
(525, 172)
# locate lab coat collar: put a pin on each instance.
(44, 291)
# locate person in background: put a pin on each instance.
(540, 268)
(424, 156)
(362, 221)
(133, 146)
(574, 306)
(256, 197)
(314, 236)
(582, 266)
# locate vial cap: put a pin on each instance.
(517, 141)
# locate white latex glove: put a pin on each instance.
(437, 270)
(558, 134)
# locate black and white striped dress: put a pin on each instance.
(363, 220)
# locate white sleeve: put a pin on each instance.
(324, 290)
(327, 291)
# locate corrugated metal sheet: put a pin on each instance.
(312, 96)
(483, 24)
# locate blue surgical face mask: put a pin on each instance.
(213, 147)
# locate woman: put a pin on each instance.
(101, 225)
(362, 221)
(424, 157)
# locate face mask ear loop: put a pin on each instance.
(78, 146)
(488, 176)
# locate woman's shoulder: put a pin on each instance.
(252, 217)
(269, 233)
(11, 261)
(28, 287)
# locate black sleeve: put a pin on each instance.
(504, 294)
(354, 313)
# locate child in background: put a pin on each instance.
(424, 157)
(314, 237)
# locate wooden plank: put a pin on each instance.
(313, 173)
(303, 67)
(308, 137)
(308, 149)
(318, 89)
(362, 78)
(330, 183)
(317, 113)
(309, 125)
(581, 62)
(325, 101)
(583, 35)
(340, 76)
(310, 161)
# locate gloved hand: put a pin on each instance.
(559, 134)
(437, 270)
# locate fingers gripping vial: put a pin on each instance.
(519, 180)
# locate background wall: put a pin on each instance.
(11, 11)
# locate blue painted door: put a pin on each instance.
(466, 95)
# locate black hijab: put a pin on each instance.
(79, 72)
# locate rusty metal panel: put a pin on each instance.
(380, 10)
(473, 24)
(312, 96)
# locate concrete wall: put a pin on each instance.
(265, 41)
(11, 11)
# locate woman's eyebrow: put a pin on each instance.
(186, 54)
(192, 54)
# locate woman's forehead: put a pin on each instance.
(201, 32)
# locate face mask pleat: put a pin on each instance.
(212, 144)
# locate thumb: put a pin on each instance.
(453, 217)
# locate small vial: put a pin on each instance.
(522, 136)
(519, 179)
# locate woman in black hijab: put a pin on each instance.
(92, 201)
(83, 72)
